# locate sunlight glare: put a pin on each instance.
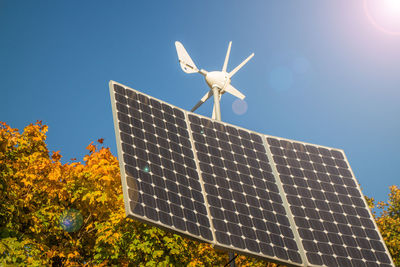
(384, 15)
(392, 7)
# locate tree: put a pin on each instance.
(73, 214)
(388, 222)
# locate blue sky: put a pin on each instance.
(324, 72)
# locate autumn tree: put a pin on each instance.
(387, 218)
(72, 214)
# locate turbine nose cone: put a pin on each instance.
(217, 78)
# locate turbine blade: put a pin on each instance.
(202, 100)
(232, 90)
(185, 61)
(227, 57)
(240, 65)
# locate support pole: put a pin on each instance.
(216, 103)
(232, 259)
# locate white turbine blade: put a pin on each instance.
(232, 90)
(214, 115)
(240, 66)
(202, 100)
(227, 57)
(185, 61)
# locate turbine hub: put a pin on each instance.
(217, 78)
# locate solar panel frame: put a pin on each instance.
(275, 171)
(119, 147)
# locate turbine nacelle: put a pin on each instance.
(218, 81)
(217, 78)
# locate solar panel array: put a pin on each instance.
(281, 200)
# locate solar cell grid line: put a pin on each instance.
(330, 213)
(158, 172)
(245, 203)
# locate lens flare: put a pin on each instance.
(71, 220)
(239, 107)
(146, 168)
(384, 15)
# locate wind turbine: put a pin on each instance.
(218, 81)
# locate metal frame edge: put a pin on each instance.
(119, 149)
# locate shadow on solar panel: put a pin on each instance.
(281, 200)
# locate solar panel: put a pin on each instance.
(329, 210)
(281, 200)
(245, 205)
(157, 163)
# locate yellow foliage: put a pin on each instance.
(388, 222)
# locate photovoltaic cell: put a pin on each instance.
(285, 201)
(161, 177)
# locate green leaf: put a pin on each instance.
(158, 253)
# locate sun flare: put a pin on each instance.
(384, 15)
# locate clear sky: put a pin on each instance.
(324, 72)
